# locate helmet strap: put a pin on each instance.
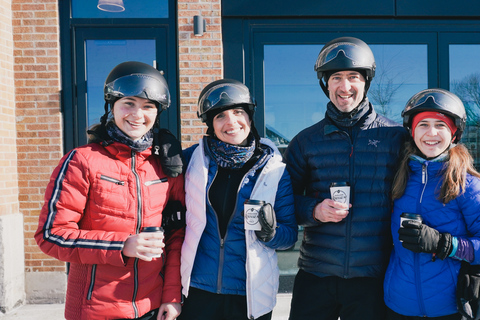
(324, 88)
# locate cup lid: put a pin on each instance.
(254, 202)
(152, 229)
(339, 184)
(409, 215)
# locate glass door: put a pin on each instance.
(287, 87)
(97, 51)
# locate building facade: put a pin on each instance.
(55, 55)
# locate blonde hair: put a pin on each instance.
(454, 176)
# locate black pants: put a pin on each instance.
(392, 315)
(204, 305)
(329, 298)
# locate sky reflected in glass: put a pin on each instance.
(294, 99)
(465, 83)
(102, 56)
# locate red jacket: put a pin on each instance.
(96, 198)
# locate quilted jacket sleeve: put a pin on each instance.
(287, 230)
(469, 205)
(297, 167)
(58, 233)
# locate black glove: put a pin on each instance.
(468, 287)
(169, 149)
(173, 216)
(418, 237)
(268, 221)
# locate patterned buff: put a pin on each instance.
(139, 145)
(228, 155)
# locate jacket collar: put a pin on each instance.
(362, 123)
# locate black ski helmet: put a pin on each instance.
(439, 100)
(345, 53)
(222, 95)
(136, 79)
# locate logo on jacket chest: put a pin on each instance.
(373, 142)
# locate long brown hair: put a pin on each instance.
(459, 163)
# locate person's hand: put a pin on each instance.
(418, 237)
(142, 244)
(331, 211)
(468, 290)
(169, 311)
(268, 221)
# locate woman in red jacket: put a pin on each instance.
(101, 197)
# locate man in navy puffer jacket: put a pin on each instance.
(345, 249)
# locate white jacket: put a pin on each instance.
(261, 261)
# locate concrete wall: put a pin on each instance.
(12, 274)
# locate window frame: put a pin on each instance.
(69, 28)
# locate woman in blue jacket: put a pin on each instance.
(229, 272)
(436, 181)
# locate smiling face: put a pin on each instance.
(232, 126)
(432, 137)
(134, 116)
(346, 89)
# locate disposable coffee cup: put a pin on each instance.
(340, 192)
(250, 214)
(410, 216)
(153, 229)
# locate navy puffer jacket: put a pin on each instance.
(365, 155)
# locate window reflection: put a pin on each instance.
(465, 83)
(102, 56)
(133, 9)
(294, 99)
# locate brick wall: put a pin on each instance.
(8, 156)
(200, 61)
(35, 107)
(38, 117)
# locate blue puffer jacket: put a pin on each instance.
(414, 284)
(367, 157)
(219, 265)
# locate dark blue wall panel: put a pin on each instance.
(256, 8)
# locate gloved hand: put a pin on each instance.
(418, 237)
(268, 221)
(169, 149)
(173, 216)
(468, 287)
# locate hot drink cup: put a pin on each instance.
(340, 192)
(250, 213)
(153, 229)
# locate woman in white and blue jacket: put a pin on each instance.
(229, 272)
(436, 180)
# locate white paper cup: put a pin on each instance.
(250, 214)
(340, 192)
(153, 229)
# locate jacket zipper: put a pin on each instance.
(139, 224)
(92, 281)
(417, 256)
(150, 183)
(348, 221)
(110, 179)
(222, 240)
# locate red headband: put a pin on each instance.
(434, 115)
